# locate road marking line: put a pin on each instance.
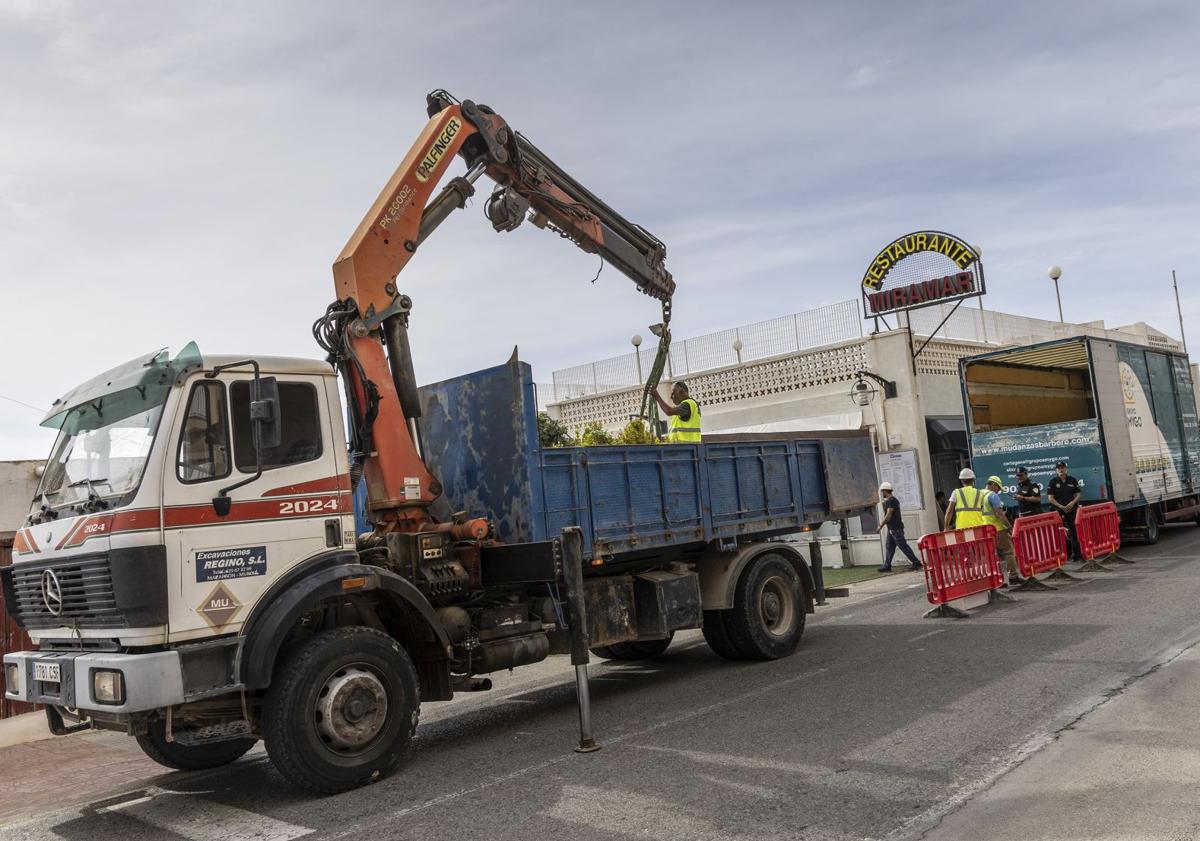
(764, 792)
(927, 634)
(204, 820)
(868, 782)
(631, 814)
(739, 700)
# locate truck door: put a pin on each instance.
(223, 564)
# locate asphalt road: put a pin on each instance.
(881, 726)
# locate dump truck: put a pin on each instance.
(191, 572)
(1122, 416)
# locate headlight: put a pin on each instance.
(12, 678)
(108, 687)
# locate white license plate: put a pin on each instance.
(48, 672)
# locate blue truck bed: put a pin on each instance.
(480, 439)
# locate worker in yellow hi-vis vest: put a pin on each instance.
(995, 515)
(685, 415)
(967, 503)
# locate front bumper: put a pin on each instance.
(152, 680)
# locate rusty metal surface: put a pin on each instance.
(609, 606)
(480, 437)
(851, 474)
(666, 602)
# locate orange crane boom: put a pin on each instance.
(366, 329)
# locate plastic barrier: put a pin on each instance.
(958, 564)
(1098, 530)
(1040, 541)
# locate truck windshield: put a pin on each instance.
(103, 460)
(106, 428)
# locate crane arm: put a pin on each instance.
(367, 330)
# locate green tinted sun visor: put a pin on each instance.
(122, 392)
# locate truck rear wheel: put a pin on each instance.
(341, 710)
(717, 635)
(1152, 527)
(190, 757)
(767, 617)
(633, 650)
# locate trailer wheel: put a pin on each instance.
(767, 617)
(190, 757)
(717, 635)
(341, 710)
(1152, 527)
(634, 649)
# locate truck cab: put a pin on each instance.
(178, 492)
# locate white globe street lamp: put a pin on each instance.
(1054, 273)
(636, 341)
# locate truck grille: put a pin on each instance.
(87, 594)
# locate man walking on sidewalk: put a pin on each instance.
(895, 530)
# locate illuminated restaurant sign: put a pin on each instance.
(920, 269)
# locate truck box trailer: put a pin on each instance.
(1122, 416)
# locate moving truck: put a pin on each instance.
(1122, 416)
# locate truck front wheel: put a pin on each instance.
(341, 710)
(189, 757)
(767, 617)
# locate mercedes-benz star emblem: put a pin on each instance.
(52, 592)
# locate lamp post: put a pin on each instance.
(1054, 273)
(636, 341)
(737, 348)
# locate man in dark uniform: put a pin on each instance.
(1064, 492)
(1028, 494)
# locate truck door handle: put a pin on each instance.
(333, 533)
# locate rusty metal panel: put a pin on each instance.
(851, 474)
(666, 602)
(609, 605)
(479, 433)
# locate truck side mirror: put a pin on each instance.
(264, 412)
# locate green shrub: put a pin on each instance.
(552, 433)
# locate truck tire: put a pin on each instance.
(1152, 527)
(341, 710)
(717, 635)
(767, 617)
(190, 757)
(633, 650)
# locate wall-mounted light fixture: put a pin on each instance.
(862, 392)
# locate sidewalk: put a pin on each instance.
(1130, 769)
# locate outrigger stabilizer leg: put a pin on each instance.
(572, 579)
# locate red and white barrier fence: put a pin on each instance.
(958, 564)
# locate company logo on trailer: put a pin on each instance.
(438, 150)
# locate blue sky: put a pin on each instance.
(189, 171)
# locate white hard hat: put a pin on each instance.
(966, 473)
(885, 486)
